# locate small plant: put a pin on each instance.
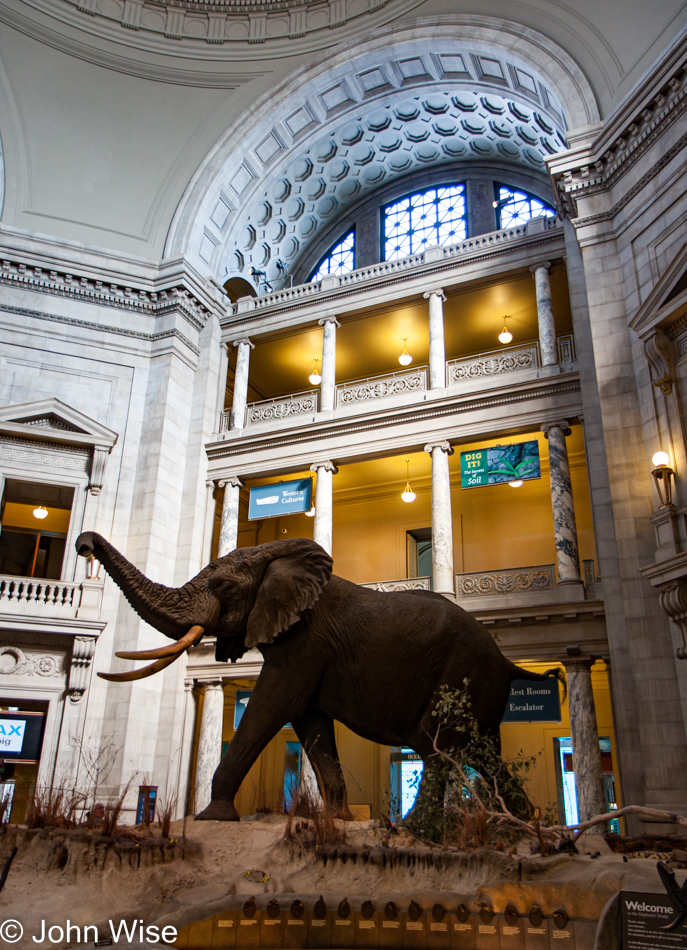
(310, 818)
(465, 787)
(168, 807)
(51, 806)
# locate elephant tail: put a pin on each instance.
(518, 673)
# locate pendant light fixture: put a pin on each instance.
(408, 494)
(40, 513)
(516, 484)
(405, 359)
(315, 377)
(505, 336)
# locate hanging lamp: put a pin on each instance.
(405, 359)
(315, 377)
(408, 494)
(40, 513)
(505, 336)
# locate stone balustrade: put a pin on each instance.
(509, 359)
(40, 597)
(282, 407)
(514, 581)
(379, 387)
(406, 583)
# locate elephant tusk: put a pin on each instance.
(172, 649)
(166, 656)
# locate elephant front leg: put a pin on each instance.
(315, 732)
(264, 716)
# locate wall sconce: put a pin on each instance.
(40, 513)
(663, 476)
(315, 377)
(408, 494)
(405, 359)
(505, 336)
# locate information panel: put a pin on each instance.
(21, 736)
(533, 702)
(642, 917)
(499, 463)
(282, 498)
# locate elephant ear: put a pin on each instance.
(291, 584)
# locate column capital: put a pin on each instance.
(563, 425)
(212, 684)
(578, 663)
(435, 293)
(188, 685)
(327, 465)
(545, 264)
(326, 320)
(444, 446)
(244, 340)
(233, 481)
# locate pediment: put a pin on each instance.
(51, 420)
(667, 302)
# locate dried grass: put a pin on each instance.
(51, 806)
(310, 820)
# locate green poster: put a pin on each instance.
(500, 463)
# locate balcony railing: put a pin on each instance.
(514, 581)
(35, 597)
(379, 387)
(509, 359)
(406, 583)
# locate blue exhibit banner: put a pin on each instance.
(499, 463)
(282, 498)
(533, 702)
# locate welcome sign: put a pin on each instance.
(282, 498)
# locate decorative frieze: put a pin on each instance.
(510, 360)
(269, 410)
(408, 583)
(515, 581)
(379, 387)
(14, 662)
(154, 300)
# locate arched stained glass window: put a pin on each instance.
(434, 216)
(339, 260)
(515, 207)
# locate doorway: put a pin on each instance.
(419, 553)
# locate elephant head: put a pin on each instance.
(243, 599)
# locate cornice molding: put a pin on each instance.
(598, 165)
(150, 299)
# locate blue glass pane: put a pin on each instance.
(340, 260)
(435, 216)
(517, 207)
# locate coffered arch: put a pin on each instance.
(453, 88)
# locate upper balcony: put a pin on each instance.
(35, 604)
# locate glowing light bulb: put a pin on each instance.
(658, 458)
(516, 484)
(315, 377)
(311, 513)
(405, 359)
(505, 336)
(40, 513)
(408, 494)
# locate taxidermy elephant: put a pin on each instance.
(332, 650)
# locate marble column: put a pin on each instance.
(229, 528)
(585, 739)
(238, 408)
(328, 384)
(209, 742)
(547, 327)
(187, 730)
(442, 523)
(437, 352)
(564, 527)
(222, 369)
(324, 505)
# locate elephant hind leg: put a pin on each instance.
(315, 732)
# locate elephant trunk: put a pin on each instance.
(170, 610)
